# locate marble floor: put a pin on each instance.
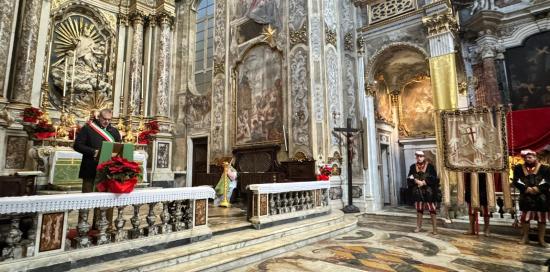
(383, 246)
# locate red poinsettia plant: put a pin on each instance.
(31, 114)
(146, 136)
(118, 175)
(325, 172)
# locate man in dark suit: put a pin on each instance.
(88, 142)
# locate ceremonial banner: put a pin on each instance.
(474, 140)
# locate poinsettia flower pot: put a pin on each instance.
(117, 187)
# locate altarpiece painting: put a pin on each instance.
(258, 97)
(416, 118)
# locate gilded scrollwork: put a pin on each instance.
(348, 41)
(298, 36)
(330, 36)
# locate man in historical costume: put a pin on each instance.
(533, 181)
(483, 203)
(89, 141)
(228, 181)
(423, 184)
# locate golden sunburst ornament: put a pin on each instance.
(269, 34)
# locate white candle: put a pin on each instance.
(74, 64)
(142, 82)
(123, 78)
(65, 77)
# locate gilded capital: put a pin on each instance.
(440, 23)
(137, 17)
(165, 19)
(123, 19)
(370, 89)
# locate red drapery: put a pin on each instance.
(528, 129)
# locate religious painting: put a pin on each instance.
(528, 69)
(474, 140)
(383, 104)
(16, 149)
(416, 118)
(163, 155)
(200, 212)
(258, 97)
(248, 30)
(51, 231)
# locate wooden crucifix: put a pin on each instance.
(348, 133)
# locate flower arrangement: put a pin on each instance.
(325, 172)
(31, 114)
(146, 136)
(118, 175)
(36, 124)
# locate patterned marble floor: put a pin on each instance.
(382, 246)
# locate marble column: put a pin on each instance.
(26, 53)
(373, 194)
(7, 22)
(136, 63)
(163, 78)
(502, 78)
(119, 86)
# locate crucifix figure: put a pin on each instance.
(348, 133)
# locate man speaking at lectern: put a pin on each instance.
(89, 141)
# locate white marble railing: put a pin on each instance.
(273, 202)
(47, 219)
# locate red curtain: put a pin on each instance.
(528, 129)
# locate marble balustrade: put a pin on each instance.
(46, 225)
(273, 202)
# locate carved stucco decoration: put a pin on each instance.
(330, 14)
(319, 102)
(219, 67)
(346, 16)
(315, 37)
(86, 35)
(217, 115)
(298, 36)
(332, 72)
(349, 85)
(219, 32)
(300, 96)
(440, 23)
(297, 14)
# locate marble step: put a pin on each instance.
(220, 244)
(247, 255)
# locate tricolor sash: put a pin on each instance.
(102, 132)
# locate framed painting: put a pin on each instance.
(52, 229)
(258, 97)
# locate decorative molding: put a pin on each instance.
(315, 37)
(330, 14)
(370, 91)
(332, 74)
(349, 85)
(298, 14)
(299, 84)
(440, 23)
(123, 19)
(385, 9)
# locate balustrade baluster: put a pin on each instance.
(29, 243)
(285, 202)
(102, 225)
(291, 203)
(297, 201)
(272, 207)
(151, 218)
(83, 240)
(188, 214)
(176, 216)
(325, 197)
(165, 218)
(278, 203)
(308, 199)
(12, 237)
(120, 234)
(303, 200)
(135, 232)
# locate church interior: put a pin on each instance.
(274, 135)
